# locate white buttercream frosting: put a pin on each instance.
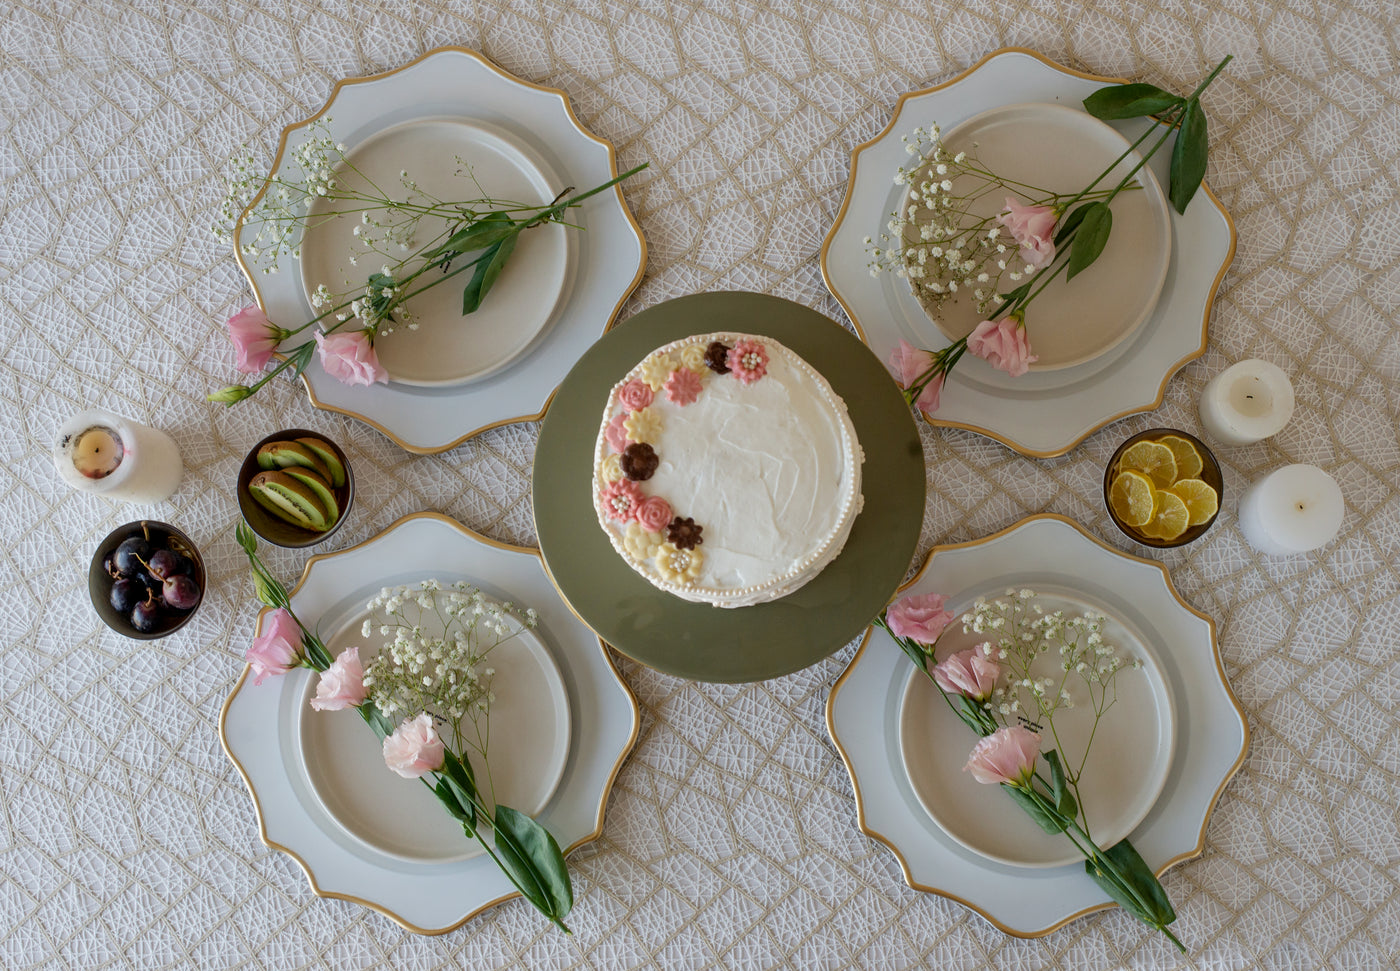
(770, 470)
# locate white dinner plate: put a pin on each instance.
(535, 128)
(1046, 412)
(527, 745)
(261, 728)
(1210, 734)
(1062, 150)
(449, 159)
(1127, 763)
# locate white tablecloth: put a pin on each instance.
(127, 838)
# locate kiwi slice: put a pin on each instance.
(282, 455)
(321, 487)
(292, 501)
(327, 455)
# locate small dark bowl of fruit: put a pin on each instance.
(295, 487)
(146, 579)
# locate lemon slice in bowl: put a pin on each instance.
(1200, 499)
(1153, 459)
(1133, 498)
(1188, 461)
(1169, 520)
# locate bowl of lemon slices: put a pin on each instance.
(1163, 488)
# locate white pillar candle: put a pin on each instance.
(1247, 402)
(1291, 510)
(110, 456)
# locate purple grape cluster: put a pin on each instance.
(151, 582)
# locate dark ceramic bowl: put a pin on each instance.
(100, 582)
(272, 527)
(1210, 474)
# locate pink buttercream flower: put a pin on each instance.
(683, 386)
(1007, 755)
(1033, 228)
(414, 749)
(278, 650)
(350, 358)
(636, 395)
(970, 672)
(616, 433)
(919, 617)
(748, 360)
(654, 514)
(1003, 344)
(620, 500)
(254, 338)
(342, 685)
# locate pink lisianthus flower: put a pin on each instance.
(1003, 344)
(1033, 228)
(1006, 756)
(919, 617)
(971, 673)
(350, 358)
(909, 364)
(254, 339)
(414, 749)
(278, 650)
(342, 685)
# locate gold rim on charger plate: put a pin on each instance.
(850, 315)
(903, 864)
(257, 804)
(484, 61)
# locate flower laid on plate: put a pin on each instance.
(428, 698)
(477, 234)
(1004, 261)
(994, 690)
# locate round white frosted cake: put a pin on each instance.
(726, 471)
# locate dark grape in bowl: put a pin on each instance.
(146, 579)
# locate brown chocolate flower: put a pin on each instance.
(715, 357)
(639, 461)
(684, 534)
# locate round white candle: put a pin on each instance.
(1247, 402)
(111, 456)
(1291, 510)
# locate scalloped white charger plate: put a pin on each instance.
(260, 728)
(609, 254)
(1043, 413)
(1210, 732)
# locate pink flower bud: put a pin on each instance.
(919, 617)
(350, 358)
(1003, 344)
(254, 338)
(970, 672)
(1007, 755)
(278, 650)
(414, 749)
(342, 685)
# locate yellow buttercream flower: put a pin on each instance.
(643, 425)
(693, 359)
(655, 370)
(676, 565)
(640, 543)
(610, 469)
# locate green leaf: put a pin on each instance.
(488, 267)
(1188, 166)
(1016, 294)
(1129, 101)
(1048, 821)
(448, 798)
(1071, 222)
(531, 853)
(487, 230)
(461, 782)
(1091, 238)
(1065, 803)
(1122, 869)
